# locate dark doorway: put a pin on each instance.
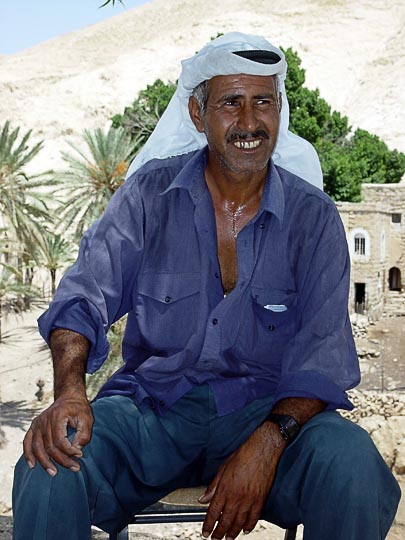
(359, 298)
(394, 279)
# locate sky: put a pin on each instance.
(24, 23)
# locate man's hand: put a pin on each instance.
(47, 436)
(239, 490)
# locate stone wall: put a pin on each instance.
(383, 416)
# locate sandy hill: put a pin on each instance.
(352, 51)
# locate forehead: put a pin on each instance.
(241, 84)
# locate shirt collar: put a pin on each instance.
(273, 198)
(191, 178)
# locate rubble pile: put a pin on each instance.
(360, 327)
(382, 414)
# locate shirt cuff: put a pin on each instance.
(311, 384)
(78, 315)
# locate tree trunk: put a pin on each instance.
(1, 317)
(53, 280)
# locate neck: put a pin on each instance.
(236, 188)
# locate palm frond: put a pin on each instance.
(93, 174)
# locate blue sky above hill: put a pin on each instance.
(24, 23)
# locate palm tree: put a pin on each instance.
(54, 253)
(22, 206)
(93, 177)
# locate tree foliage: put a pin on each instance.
(347, 158)
(92, 176)
(22, 199)
(111, 2)
(140, 119)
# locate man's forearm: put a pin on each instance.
(69, 355)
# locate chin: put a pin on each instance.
(245, 166)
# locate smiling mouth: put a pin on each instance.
(247, 145)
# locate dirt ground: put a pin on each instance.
(387, 370)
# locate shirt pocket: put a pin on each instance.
(167, 309)
(268, 323)
(274, 308)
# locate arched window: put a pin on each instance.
(394, 279)
(359, 244)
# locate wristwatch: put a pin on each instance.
(289, 427)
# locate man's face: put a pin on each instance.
(241, 121)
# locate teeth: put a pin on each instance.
(246, 144)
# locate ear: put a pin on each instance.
(195, 114)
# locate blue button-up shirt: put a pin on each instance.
(284, 329)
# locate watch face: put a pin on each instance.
(289, 427)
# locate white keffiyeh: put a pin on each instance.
(176, 134)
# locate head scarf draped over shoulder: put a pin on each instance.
(176, 134)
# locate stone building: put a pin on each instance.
(375, 230)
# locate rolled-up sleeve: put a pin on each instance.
(321, 360)
(97, 290)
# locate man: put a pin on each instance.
(238, 348)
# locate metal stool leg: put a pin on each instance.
(290, 534)
(122, 535)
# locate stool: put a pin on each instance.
(178, 507)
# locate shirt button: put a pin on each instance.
(271, 327)
(214, 321)
(216, 275)
(168, 299)
(261, 225)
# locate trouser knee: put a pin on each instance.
(333, 469)
(341, 452)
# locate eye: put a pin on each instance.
(266, 103)
(231, 103)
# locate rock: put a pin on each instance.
(399, 465)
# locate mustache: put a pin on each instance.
(243, 135)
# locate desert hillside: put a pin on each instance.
(352, 51)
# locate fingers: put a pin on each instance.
(230, 524)
(209, 493)
(213, 514)
(211, 489)
(251, 520)
(27, 449)
(47, 443)
(229, 513)
(230, 520)
(83, 428)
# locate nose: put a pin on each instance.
(247, 119)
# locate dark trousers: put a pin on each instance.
(331, 478)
